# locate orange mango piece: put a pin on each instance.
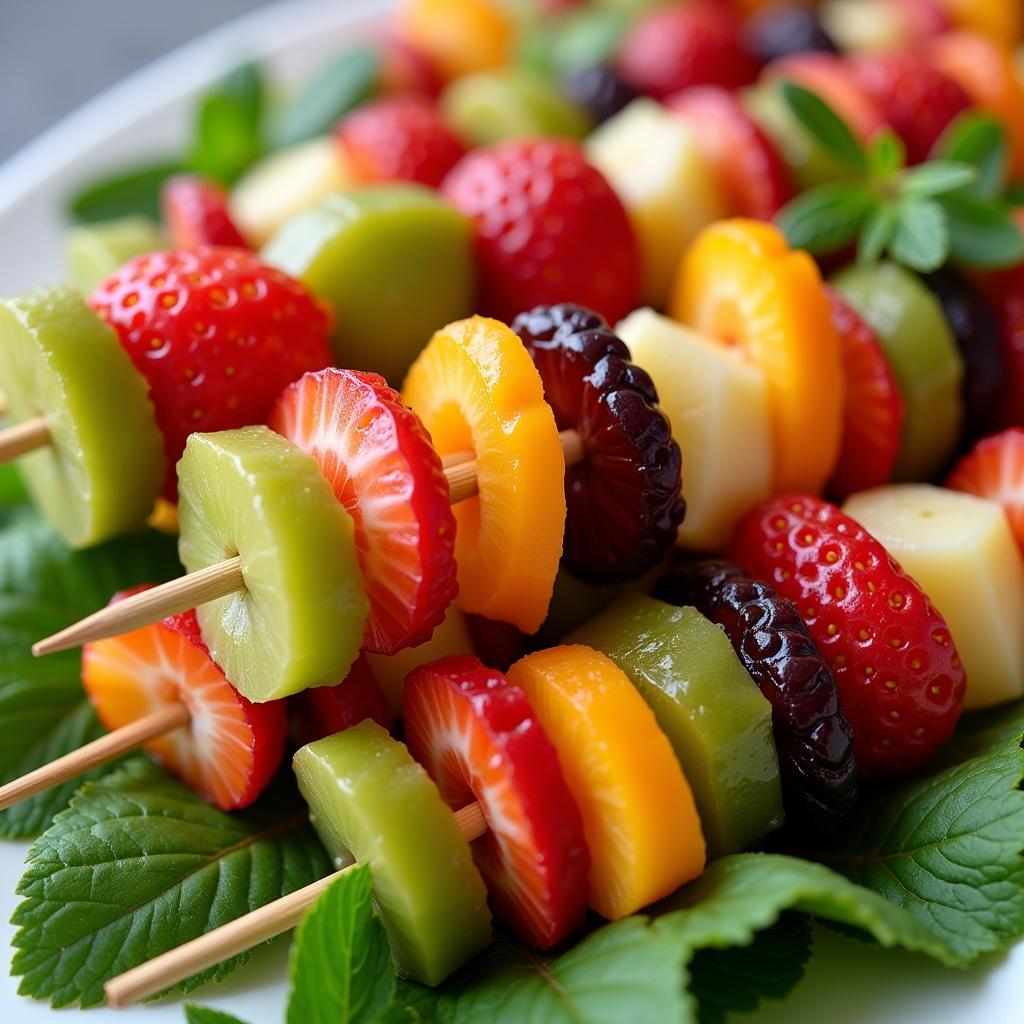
(741, 283)
(458, 37)
(639, 816)
(476, 389)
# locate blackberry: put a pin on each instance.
(599, 90)
(624, 499)
(812, 736)
(781, 31)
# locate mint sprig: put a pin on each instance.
(950, 208)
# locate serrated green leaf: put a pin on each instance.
(982, 234)
(920, 238)
(44, 587)
(825, 125)
(886, 155)
(877, 233)
(206, 1015)
(130, 192)
(948, 847)
(228, 129)
(978, 140)
(828, 217)
(338, 87)
(937, 178)
(341, 962)
(137, 865)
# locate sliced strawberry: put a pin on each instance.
(325, 710)
(994, 469)
(477, 737)
(195, 211)
(379, 459)
(872, 408)
(230, 749)
(753, 176)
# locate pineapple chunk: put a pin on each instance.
(717, 403)
(651, 159)
(960, 550)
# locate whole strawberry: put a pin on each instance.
(216, 333)
(195, 211)
(900, 678)
(548, 229)
(399, 138)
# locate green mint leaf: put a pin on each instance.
(582, 37)
(947, 847)
(1015, 195)
(124, 193)
(341, 962)
(44, 712)
(206, 1015)
(139, 864)
(980, 141)
(825, 125)
(338, 87)
(877, 233)
(920, 238)
(886, 155)
(828, 217)
(936, 178)
(982, 234)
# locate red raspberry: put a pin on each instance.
(399, 138)
(216, 333)
(900, 678)
(672, 48)
(549, 229)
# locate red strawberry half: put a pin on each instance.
(900, 678)
(216, 333)
(325, 710)
(195, 211)
(476, 735)
(377, 455)
(994, 469)
(872, 408)
(230, 749)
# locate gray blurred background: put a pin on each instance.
(56, 54)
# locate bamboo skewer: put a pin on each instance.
(107, 748)
(226, 577)
(229, 940)
(23, 438)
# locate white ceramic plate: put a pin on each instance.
(847, 983)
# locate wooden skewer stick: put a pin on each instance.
(237, 936)
(226, 577)
(106, 748)
(23, 438)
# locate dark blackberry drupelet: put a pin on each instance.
(599, 90)
(782, 31)
(812, 736)
(624, 499)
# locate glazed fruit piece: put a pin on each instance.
(741, 284)
(477, 737)
(782, 30)
(919, 346)
(623, 500)
(755, 181)
(381, 465)
(231, 748)
(476, 389)
(960, 549)
(302, 614)
(511, 103)
(92, 252)
(216, 333)
(639, 817)
(452, 636)
(873, 409)
(399, 138)
(286, 183)
(371, 803)
(195, 211)
(548, 228)
(1003, 23)
(343, 248)
(574, 603)
(654, 162)
(976, 332)
(900, 678)
(812, 736)
(994, 469)
(719, 725)
(458, 37)
(598, 90)
(717, 404)
(324, 710)
(101, 472)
